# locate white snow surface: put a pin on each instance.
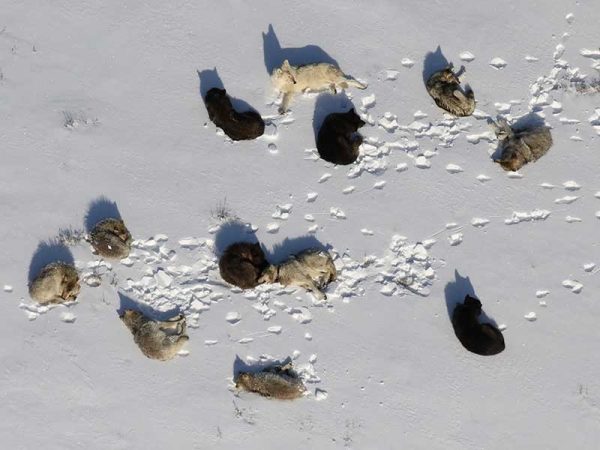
(102, 99)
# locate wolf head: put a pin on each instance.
(269, 275)
(131, 318)
(284, 75)
(354, 119)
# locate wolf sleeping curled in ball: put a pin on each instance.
(480, 338)
(57, 282)
(338, 140)
(520, 146)
(157, 340)
(111, 239)
(291, 80)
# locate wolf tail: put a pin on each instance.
(355, 83)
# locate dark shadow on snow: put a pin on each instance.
(327, 104)
(274, 55)
(455, 293)
(209, 78)
(126, 302)
(288, 247)
(48, 252)
(526, 122)
(233, 231)
(100, 209)
(239, 365)
(433, 62)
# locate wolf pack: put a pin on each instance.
(245, 265)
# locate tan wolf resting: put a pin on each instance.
(56, 283)
(291, 80)
(520, 147)
(311, 269)
(444, 87)
(280, 382)
(156, 340)
(111, 239)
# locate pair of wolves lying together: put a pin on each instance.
(244, 265)
(58, 282)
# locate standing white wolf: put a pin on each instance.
(291, 80)
(311, 269)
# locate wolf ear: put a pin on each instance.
(286, 65)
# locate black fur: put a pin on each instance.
(337, 140)
(238, 126)
(242, 264)
(479, 338)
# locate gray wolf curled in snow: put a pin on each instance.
(156, 340)
(520, 147)
(238, 126)
(291, 80)
(280, 382)
(480, 338)
(110, 238)
(311, 269)
(444, 87)
(242, 264)
(56, 283)
(338, 140)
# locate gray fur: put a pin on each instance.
(311, 269)
(111, 239)
(56, 283)
(444, 87)
(156, 340)
(520, 147)
(280, 382)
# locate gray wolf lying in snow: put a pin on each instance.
(291, 80)
(311, 269)
(238, 126)
(480, 338)
(111, 239)
(56, 283)
(156, 340)
(520, 147)
(280, 382)
(242, 264)
(444, 87)
(338, 140)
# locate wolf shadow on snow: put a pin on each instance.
(455, 292)
(327, 104)
(274, 54)
(209, 78)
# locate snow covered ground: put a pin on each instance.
(101, 100)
